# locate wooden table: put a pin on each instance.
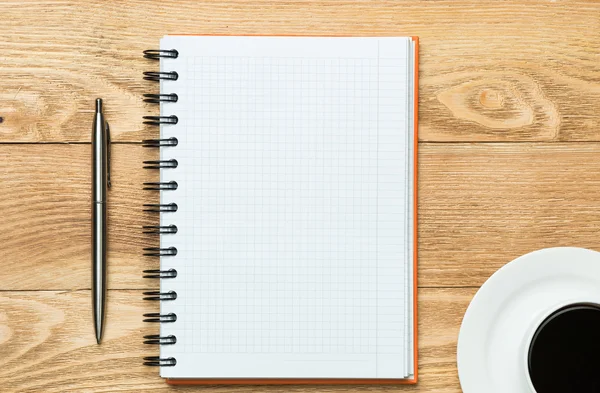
(509, 162)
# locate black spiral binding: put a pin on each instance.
(157, 361)
(170, 273)
(158, 76)
(156, 54)
(160, 208)
(161, 186)
(158, 98)
(160, 252)
(159, 229)
(156, 317)
(160, 296)
(158, 120)
(160, 142)
(159, 164)
(156, 339)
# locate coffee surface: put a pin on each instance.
(564, 354)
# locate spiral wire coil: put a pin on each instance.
(160, 230)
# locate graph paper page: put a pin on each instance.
(293, 207)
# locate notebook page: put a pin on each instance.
(292, 219)
(411, 214)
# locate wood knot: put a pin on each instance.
(26, 115)
(491, 99)
(501, 101)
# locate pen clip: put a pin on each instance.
(108, 154)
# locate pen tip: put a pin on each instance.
(98, 105)
(98, 334)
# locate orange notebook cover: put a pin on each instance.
(350, 381)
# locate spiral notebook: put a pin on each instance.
(287, 200)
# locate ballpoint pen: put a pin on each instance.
(100, 183)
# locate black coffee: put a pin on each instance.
(564, 355)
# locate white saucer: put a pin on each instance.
(499, 322)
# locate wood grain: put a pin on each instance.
(45, 231)
(490, 71)
(480, 206)
(47, 345)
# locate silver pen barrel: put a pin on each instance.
(100, 167)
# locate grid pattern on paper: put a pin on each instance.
(292, 188)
